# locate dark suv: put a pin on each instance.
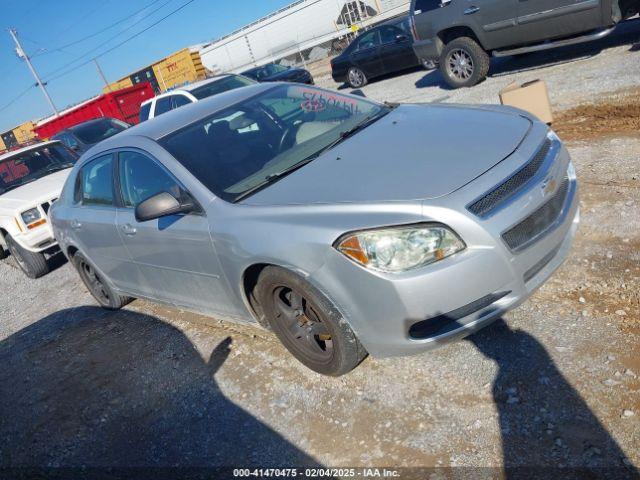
(460, 34)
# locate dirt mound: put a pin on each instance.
(618, 114)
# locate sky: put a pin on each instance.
(49, 31)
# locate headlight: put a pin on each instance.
(30, 216)
(400, 248)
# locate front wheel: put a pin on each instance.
(97, 286)
(307, 323)
(356, 77)
(464, 63)
(33, 264)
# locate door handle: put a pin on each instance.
(471, 10)
(129, 230)
(76, 225)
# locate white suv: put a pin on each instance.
(31, 179)
(191, 93)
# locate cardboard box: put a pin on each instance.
(531, 96)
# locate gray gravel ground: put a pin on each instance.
(556, 383)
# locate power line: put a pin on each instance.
(123, 42)
(89, 52)
(98, 32)
(18, 97)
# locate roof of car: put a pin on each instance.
(18, 151)
(173, 120)
(190, 87)
(89, 122)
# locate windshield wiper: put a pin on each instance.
(274, 177)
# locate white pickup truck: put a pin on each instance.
(31, 179)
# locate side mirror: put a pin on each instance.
(163, 204)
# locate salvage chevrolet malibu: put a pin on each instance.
(345, 226)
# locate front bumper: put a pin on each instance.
(37, 240)
(464, 292)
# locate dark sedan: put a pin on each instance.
(279, 73)
(378, 51)
(83, 136)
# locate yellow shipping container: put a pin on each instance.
(184, 66)
(2, 145)
(24, 132)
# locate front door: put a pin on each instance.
(174, 253)
(93, 223)
(366, 55)
(396, 51)
(540, 20)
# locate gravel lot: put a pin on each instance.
(556, 383)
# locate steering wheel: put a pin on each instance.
(288, 138)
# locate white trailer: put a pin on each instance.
(293, 29)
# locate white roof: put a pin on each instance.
(188, 88)
(35, 146)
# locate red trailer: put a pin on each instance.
(122, 104)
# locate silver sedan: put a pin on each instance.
(345, 226)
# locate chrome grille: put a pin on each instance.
(502, 192)
(539, 221)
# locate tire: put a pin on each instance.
(3, 253)
(356, 78)
(99, 289)
(33, 264)
(307, 323)
(464, 63)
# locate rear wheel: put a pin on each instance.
(356, 77)
(464, 63)
(307, 323)
(97, 286)
(33, 264)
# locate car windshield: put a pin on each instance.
(96, 131)
(222, 85)
(29, 166)
(254, 142)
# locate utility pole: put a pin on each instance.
(22, 54)
(104, 79)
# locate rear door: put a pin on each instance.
(540, 20)
(396, 51)
(93, 222)
(366, 55)
(175, 253)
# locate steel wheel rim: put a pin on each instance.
(356, 77)
(460, 64)
(302, 324)
(94, 282)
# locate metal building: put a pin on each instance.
(296, 30)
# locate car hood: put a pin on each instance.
(415, 152)
(43, 189)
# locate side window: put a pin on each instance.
(180, 100)
(369, 40)
(426, 5)
(163, 105)
(389, 34)
(69, 141)
(144, 112)
(97, 182)
(141, 178)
